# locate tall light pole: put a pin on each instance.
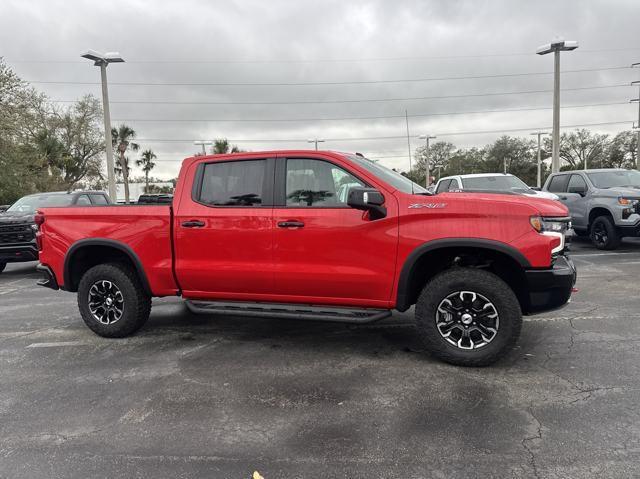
(638, 125)
(427, 165)
(315, 141)
(102, 60)
(556, 47)
(539, 134)
(204, 144)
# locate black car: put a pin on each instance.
(18, 230)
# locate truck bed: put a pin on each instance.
(143, 230)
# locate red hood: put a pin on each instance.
(543, 206)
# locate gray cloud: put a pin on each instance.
(296, 41)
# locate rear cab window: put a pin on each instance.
(558, 184)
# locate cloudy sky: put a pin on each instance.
(271, 74)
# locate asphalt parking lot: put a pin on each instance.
(221, 397)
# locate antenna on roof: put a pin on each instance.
(406, 117)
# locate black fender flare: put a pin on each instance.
(402, 296)
(125, 248)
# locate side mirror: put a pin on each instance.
(578, 189)
(367, 199)
(536, 188)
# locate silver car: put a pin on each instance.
(498, 182)
(604, 203)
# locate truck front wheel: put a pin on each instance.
(604, 234)
(112, 301)
(468, 317)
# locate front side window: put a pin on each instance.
(317, 183)
(576, 183)
(83, 200)
(233, 183)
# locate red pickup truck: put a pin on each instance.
(317, 235)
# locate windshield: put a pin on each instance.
(495, 183)
(614, 178)
(387, 175)
(29, 204)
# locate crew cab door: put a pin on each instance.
(223, 229)
(575, 199)
(326, 252)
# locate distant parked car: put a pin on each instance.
(604, 203)
(17, 227)
(490, 182)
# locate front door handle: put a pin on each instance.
(562, 197)
(290, 224)
(193, 224)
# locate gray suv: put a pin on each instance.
(604, 203)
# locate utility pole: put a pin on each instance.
(315, 141)
(426, 152)
(556, 47)
(102, 61)
(204, 144)
(539, 179)
(638, 125)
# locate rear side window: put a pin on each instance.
(558, 184)
(99, 200)
(444, 186)
(233, 183)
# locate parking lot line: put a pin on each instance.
(604, 254)
(58, 344)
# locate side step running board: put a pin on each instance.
(291, 311)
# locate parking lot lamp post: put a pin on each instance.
(638, 125)
(556, 47)
(315, 141)
(427, 166)
(539, 179)
(102, 61)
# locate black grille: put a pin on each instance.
(10, 234)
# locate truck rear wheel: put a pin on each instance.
(112, 301)
(604, 234)
(468, 317)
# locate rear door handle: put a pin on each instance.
(290, 224)
(193, 224)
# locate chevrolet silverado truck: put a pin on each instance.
(322, 236)
(604, 204)
(17, 226)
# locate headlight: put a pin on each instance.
(552, 225)
(628, 201)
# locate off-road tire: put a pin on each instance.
(137, 302)
(481, 282)
(612, 235)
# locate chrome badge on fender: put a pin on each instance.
(428, 205)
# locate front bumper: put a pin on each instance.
(49, 280)
(551, 288)
(18, 253)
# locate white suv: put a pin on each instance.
(497, 182)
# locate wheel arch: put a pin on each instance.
(86, 253)
(598, 211)
(430, 258)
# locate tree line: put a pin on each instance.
(519, 156)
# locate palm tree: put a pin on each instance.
(147, 164)
(223, 146)
(122, 138)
